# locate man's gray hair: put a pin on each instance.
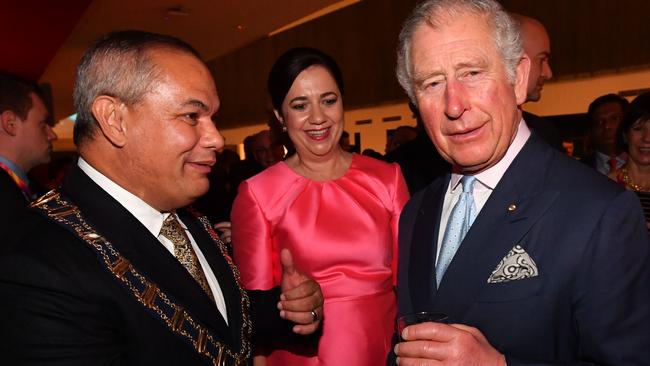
(437, 13)
(117, 65)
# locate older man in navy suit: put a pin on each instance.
(535, 258)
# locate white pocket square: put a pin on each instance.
(516, 265)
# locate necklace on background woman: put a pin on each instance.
(628, 181)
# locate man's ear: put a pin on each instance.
(109, 113)
(521, 79)
(9, 123)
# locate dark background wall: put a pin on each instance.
(588, 37)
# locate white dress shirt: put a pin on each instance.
(485, 182)
(152, 219)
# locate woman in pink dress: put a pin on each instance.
(337, 212)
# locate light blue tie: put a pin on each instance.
(461, 218)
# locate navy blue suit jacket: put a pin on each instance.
(590, 303)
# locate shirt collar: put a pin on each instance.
(151, 218)
(14, 168)
(604, 158)
(490, 177)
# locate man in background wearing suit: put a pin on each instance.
(605, 115)
(537, 47)
(26, 137)
(110, 269)
(535, 258)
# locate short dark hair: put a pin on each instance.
(638, 110)
(15, 94)
(118, 64)
(288, 66)
(606, 99)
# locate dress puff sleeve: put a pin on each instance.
(400, 197)
(251, 240)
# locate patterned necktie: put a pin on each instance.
(183, 251)
(461, 218)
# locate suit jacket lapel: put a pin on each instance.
(144, 250)
(497, 228)
(424, 245)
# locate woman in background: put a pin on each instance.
(633, 136)
(337, 212)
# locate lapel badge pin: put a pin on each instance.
(512, 207)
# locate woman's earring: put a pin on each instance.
(284, 128)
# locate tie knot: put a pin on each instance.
(171, 227)
(468, 183)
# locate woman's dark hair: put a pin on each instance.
(639, 109)
(288, 66)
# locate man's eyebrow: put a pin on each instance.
(419, 77)
(196, 103)
(473, 62)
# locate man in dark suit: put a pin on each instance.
(535, 258)
(605, 115)
(26, 137)
(419, 160)
(537, 47)
(110, 269)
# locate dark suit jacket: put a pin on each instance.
(12, 202)
(419, 161)
(61, 307)
(545, 129)
(590, 303)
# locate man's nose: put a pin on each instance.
(547, 72)
(455, 100)
(51, 135)
(211, 137)
(612, 122)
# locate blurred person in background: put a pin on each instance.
(400, 136)
(259, 155)
(633, 137)
(537, 45)
(26, 137)
(605, 114)
(345, 142)
(264, 149)
(419, 160)
(217, 202)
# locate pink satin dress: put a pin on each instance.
(342, 233)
